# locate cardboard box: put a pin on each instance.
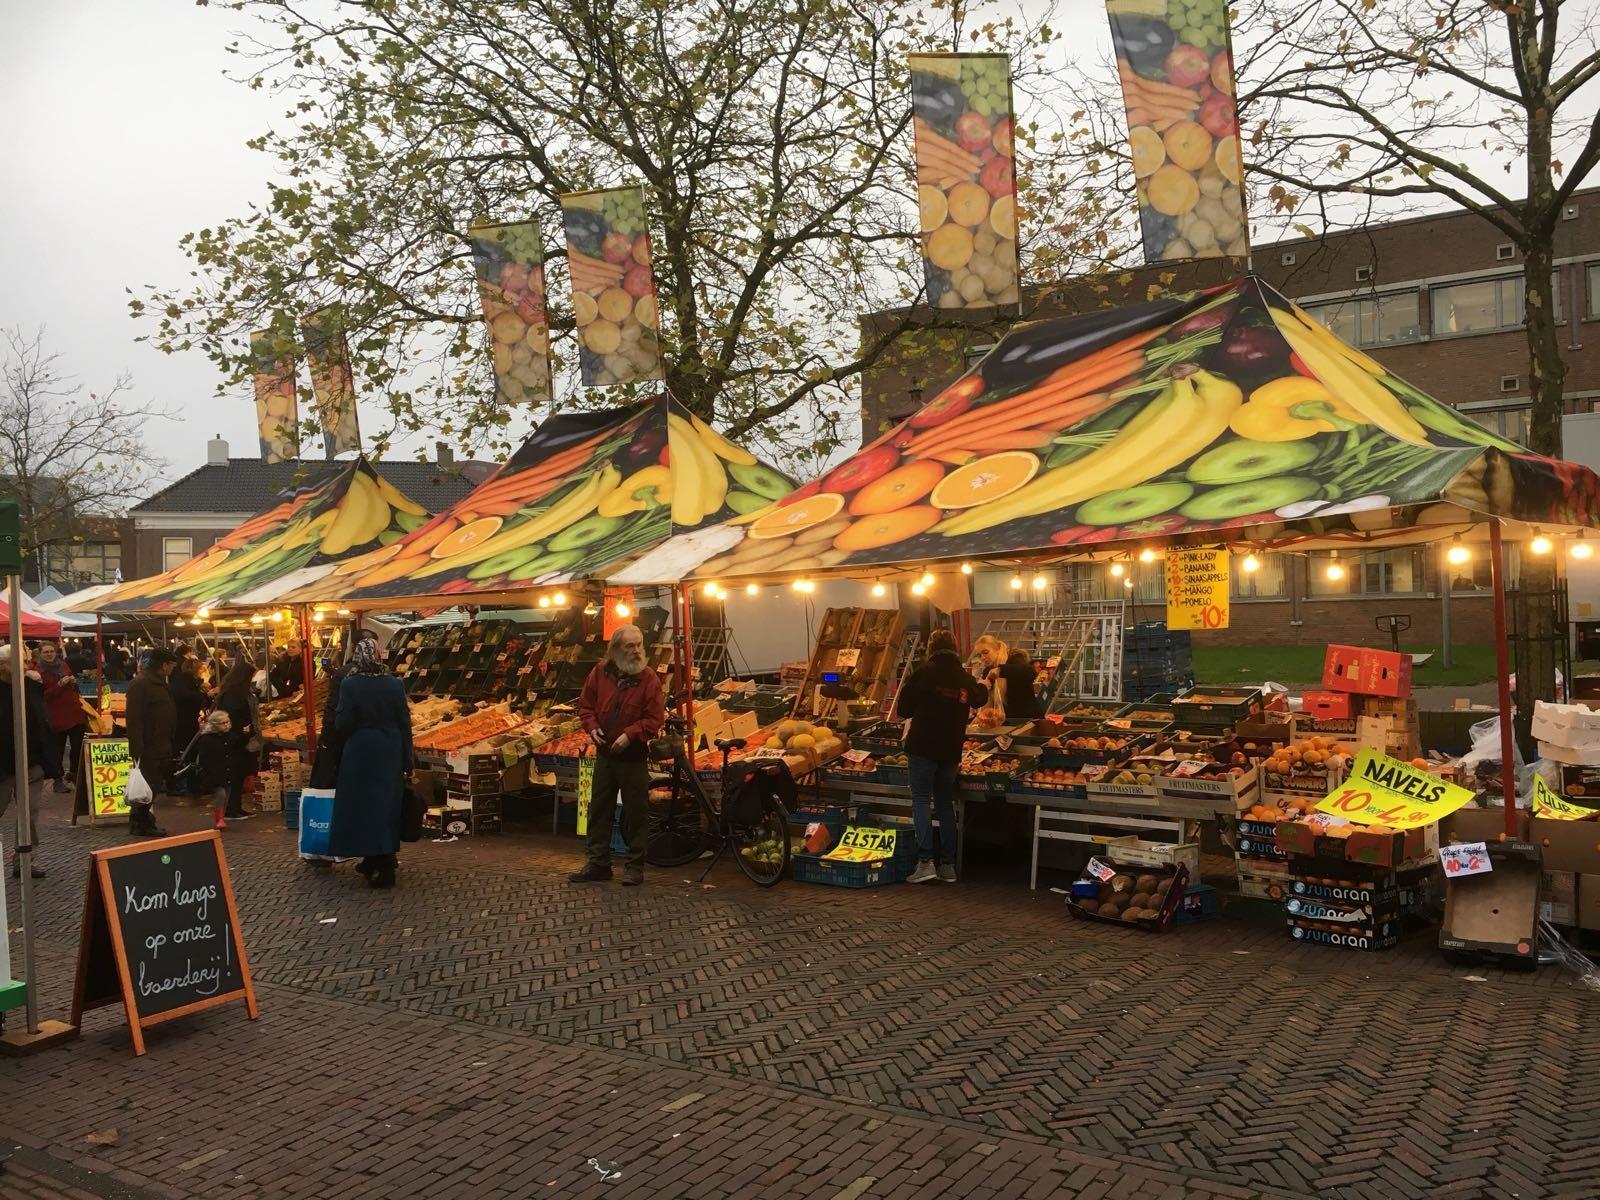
(1480, 825)
(1298, 838)
(1379, 894)
(1567, 845)
(1266, 728)
(1496, 913)
(1572, 726)
(1258, 839)
(1327, 706)
(1341, 669)
(1558, 897)
(1588, 913)
(1381, 935)
(1586, 757)
(1333, 912)
(1367, 672)
(742, 725)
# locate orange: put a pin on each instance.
(388, 572)
(968, 203)
(985, 479)
(900, 487)
(802, 514)
(473, 533)
(885, 529)
(1187, 144)
(1172, 190)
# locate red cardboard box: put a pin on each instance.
(1368, 672)
(1299, 839)
(1327, 706)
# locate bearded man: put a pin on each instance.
(621, 710)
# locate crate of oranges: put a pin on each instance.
(1313, 766)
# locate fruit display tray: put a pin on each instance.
(1159, 923)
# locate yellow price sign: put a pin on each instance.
(1197, 589)
(109, 762)
(1546, 803)
(860, 843)
(1385, 791)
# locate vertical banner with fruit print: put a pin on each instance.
(1183, 126)
(613, 288)
(509, 260)
(277, 408)
(966, 178)
(332, 382)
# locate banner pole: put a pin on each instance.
(1508, 772)
(19, 744)
(307, 688)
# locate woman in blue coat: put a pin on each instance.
(376, 726)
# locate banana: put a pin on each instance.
(688, 472)
(1329, 339)
(721, 446)
(1185, 417)
(1355, 387)
(713, 476)
(363, 515)
(398, 500)
(574, 506)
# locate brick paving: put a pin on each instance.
(487, 1030)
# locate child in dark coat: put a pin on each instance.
(214, 759)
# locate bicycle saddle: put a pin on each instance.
(730, 744)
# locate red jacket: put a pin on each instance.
(616, 704)
(62, 700)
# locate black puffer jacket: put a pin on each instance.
(214, 758)
(939, 697)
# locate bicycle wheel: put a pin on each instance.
(678, 832)
(763, 848)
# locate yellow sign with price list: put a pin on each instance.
(107, 763)
(1385, 791)
(1548, 804)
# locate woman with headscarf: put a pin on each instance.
(238, 699)
(376, 759)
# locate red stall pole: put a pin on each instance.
(308, 689)
(1508, 774)
(100, 705)
(685, 595)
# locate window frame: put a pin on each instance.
(167, 564)
(1372, 302)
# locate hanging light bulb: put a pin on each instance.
(879, 590)
(711, 589)
(559, 599)
(1147, 555)
(1116, 570)
(917, 589)
(344, 612)
(927, 579)
(1251, 563)
(255, 618)
(1128, 583)
(966, 568)
(544, 601)
(1540, 544)
(1457, 554)
(1040, 583)
(203, 614)
(276, 617)
(799, 585)
(750, 589)
(807, 586)
(1581, 548)
(1335, 568)
(180, 623)
(316, 616)
(622, 610)
(1016, 583)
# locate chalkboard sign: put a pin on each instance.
(160, 933)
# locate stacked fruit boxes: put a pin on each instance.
(1155, 660)
(473, 793)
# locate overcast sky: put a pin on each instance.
(121, 135)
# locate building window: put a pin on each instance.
(93, 562)
(1510, 423)
(1269, 581)
(175, 551)
(1372, 320)
(1592, 273)
(1482, 305)
(1373, 573)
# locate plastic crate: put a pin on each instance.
(291, 810)
(812, 868)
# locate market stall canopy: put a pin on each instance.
(1224, 415)
(584, 493)
(330, 518)
(81, 602)
(34, 624)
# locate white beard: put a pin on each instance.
(629, 666)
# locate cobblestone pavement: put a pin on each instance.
(487, 1030)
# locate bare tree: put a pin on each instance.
(66, 455)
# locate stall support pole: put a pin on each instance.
(308, 688)
(24, 802)
(99, 665)
(1508, 773)
(685, 594)
(1446, 653)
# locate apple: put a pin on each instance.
(997, 178)
(861, 470)
(617, 247)
(1222, 72)
(972, 131)
(513, 277)
(1218, 116)
(638, 282)
(641, 249)
(1002, 136)
(531, 310)
(1187, 65)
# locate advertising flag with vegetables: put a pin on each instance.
(509, 260)
(277, 407)
(966, 178)
(585, 492)
(1229, 412)
(328, 519)
(332, 382)
(1183, 126)
(613, 288)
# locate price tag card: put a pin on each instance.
(766, 752)
(1188, 767)
(857, 756)
(1386, 791)
(1100, 870)
(848, 658)
(1094, 770)
(1546, 803)
(1466, 858)
(861, 843)
(1003, 741)
(1118, 723)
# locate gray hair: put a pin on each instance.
(613, 649)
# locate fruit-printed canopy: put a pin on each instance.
(328, 519)
(1221, 415)
(585, 492)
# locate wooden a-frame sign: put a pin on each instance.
(160, 933)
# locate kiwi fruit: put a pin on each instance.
(1133, 504)
(1140, 900)
(1145, 884)
(1132, 914)
(1122, 885)
(1243, 460)
(1089, 906)
(1242, 499)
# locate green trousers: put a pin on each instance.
(632, 779)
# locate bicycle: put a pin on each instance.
(752, 819)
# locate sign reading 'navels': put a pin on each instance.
(1386, 791)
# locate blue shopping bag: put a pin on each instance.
(316, 821)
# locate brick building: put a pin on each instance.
(1436, 299)
(186, 517)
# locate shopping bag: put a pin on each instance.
(410, 815)
(138, 790)
(316, 821)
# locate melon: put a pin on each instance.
(800, 741)
(787, 729)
